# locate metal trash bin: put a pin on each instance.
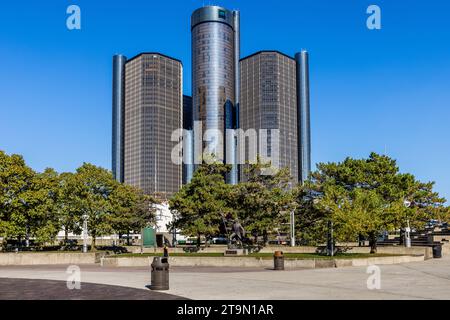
(278, 260)
(437, 251)
(160, 274)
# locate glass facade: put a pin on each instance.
(304, 126)
(118, 109)
(213, 70)
(268, 100)
(153, 110)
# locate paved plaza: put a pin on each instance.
(419, 280)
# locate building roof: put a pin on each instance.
(212, 14)
(266, 51)
(154, 53)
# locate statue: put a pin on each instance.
(238, 232)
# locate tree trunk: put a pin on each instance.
(66, 235)
(27, 236)
(93, 242)
(198, 240)
(128, 238)
(402, 237)
(266, 238)
(373, 242)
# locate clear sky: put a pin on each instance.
(383, 90)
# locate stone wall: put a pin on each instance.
(39, 258)
(257, 262)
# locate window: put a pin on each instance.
(222, 14)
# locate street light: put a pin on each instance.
(85, 232)
(407, 204)
(291, 223)
(292, 228)
(330, 245)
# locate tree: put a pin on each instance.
(262, 198)
(27, 201)
(45, 221)
(93, 187)
(15, 181)
(310, 222)
(367, 196)
(70, 212)
(131, 210)
(200, 206)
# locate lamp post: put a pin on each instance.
(85, 233)
(330, 245)
(407, 204)
(292, 228)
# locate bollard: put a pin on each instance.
(160, 274)
(278, 260)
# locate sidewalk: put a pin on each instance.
(419, 280)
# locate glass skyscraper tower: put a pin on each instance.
(215, 81)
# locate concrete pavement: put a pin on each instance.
(418, 280)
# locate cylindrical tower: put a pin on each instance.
(233, 176)
(213, 73)
(118, 112)
(303, 114)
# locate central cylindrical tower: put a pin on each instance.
(213, 75)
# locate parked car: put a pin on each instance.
(219, 240)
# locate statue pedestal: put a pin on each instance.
(235, 252)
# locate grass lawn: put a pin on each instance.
(262, 255)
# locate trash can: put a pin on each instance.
(160, 274)
(437, 251)
(278, 260)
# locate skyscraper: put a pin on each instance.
(269, 101)
(153, 110)
(118, 111)
(304, 126)
(275, 95)
(215, 81)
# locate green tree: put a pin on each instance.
(367, 196)
(27, 201)
(43, 206)
(263, 201)
(15, 182)
(131, 210)
(68, 204)
(93, 187)
(200, 206)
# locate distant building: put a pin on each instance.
(153, 110)
(267, 90)
(215, 78)
(269, 100)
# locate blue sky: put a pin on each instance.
(384, 91)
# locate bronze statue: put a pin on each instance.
(238, 232)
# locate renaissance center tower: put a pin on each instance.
(215, 83)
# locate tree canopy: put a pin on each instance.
(366, 197)
(39, 205)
